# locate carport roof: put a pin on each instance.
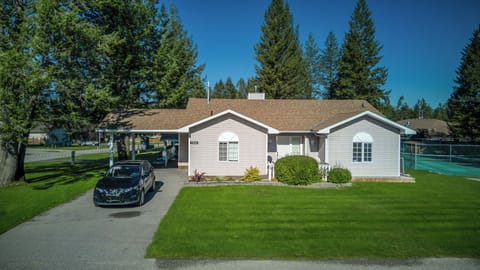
(283, 115)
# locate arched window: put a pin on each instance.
(362, 147)
(228, 147)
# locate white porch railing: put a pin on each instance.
(324, 169)
(271, 170)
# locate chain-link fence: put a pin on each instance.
(451, 159)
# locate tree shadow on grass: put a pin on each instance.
(63, 174)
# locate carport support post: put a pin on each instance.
(110, 147)
(133, 146)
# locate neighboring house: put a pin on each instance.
(433, 129)
(223, 137)
(38, 135)
(41, 135)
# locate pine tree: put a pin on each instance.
(128, 28)
(230, 90)
(359, 77)
(66, 45)
(242, 88)
(402, 110)
(440, 112)
(176, 75)
(328, 65)
(281, 72)
(422, 110)
(463, 106)
(218, 90)
(312, 60)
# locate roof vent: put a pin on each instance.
(256, 96)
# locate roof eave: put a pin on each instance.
(130, 131)
(270, 129)
(403, 130)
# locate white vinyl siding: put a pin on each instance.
(205, 146)
(384, 152)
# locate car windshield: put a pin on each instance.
(122, 171)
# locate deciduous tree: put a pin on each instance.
(21, 84)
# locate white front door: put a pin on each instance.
(289, 145)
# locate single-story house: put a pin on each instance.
(42, 135)
(434, 129)
(223, 137)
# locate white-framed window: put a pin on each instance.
(362, 150)
(228, 148)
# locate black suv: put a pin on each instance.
(126, 182)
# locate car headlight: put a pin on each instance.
(130, 189)
(99, 190)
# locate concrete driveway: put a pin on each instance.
(78, 235)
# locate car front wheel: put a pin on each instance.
(153, 186)
(141, 201)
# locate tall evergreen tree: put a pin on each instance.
(463, 106)
(312, 60)
(128, 28)
(67, 46)
(440, 112)
(242, 88)
(281, 72)
(218, 90)
(422, 110)
(176, 75)
(230, 90)
(328, 65)
(402, 110)
(359, 77)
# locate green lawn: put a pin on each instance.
(438, 216)
(50, 184)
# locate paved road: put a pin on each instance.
(33, 154)
(78, 235)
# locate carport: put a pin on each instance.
(130, 124)
(131, 136)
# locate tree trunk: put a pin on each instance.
(20, 171)
(8, 161)
(122, 148)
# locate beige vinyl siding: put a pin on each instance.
(204, 149)
(385, 149)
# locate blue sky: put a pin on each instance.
(422, 39)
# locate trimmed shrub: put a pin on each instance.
(339, 176)
(252, 174)
(297, 170)
(198, 176)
